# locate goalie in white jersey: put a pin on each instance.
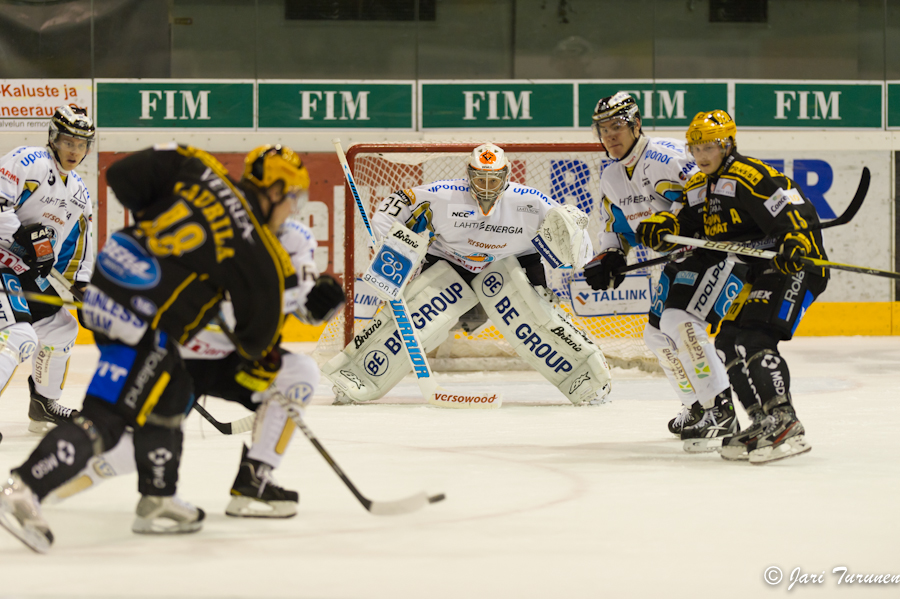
(647, 176)
(481, 252)
(45, 223)
(211, 360)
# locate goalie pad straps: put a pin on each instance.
(541, 332)
(273, 427)
(563, 239)
(375, 361)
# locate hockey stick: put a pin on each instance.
(379, 508)
(739, 248)
(408, 336)
(226, 428)
(846, 216)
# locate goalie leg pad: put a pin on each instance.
(666, 350)
(541, 332)
(375, 360)
(697, 353)
(57, 335)
(273, 428)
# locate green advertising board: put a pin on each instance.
(173, 103)
(336, 105)
(663, 103)
(496, 105)
(809, 105)
(893, 104)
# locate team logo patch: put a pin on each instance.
(376, 362)
(487, 157)
(352, 378)
(492, 284)
(125, 262)
(17, 302)
(529, 208)
(725, 187)
(460, 211)
(686, 278)
(142, 305)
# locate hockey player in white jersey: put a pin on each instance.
(45, 222)
(647, 176)
(481, 252)
(211, 360)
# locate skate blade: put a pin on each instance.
(790, 448)
(702, 445)
(40, 427)
(247, 507)
(165, 526)
(34, 538)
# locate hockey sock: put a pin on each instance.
(157, 452)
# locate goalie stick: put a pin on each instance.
(744, 250)
(408, 336)
(378, 508)
(846, 216)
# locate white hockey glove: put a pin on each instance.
(563, 239)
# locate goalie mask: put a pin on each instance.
(70, 124)
(271, 165)
(488, 172)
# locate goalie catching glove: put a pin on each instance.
(258, 375)
(794, 247)
(563, 239)
(324, 300)
(651, 231)
(36, 250)
(600, 273)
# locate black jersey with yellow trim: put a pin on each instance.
(198, 237)
(748, 200)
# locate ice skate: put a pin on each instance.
(716, 423)
(782, 437)
(166, 515)
(45, 413)
(736, 447)
(255, 494)
(20, 514)
(687, 417)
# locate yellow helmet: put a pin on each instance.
(716, 125)
(267, 165)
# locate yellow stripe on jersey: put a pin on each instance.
(78, 253)
(168, 304)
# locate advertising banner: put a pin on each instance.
(27, 104)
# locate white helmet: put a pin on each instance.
(488, 171)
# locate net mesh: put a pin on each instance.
(567, 173)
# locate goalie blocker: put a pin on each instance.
(538, 329)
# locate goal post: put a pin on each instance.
(566, 172)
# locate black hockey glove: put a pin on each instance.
(259, 375)
(36, 250)
(600, 273)
(793, 247)
(651, 230)
(325, 299)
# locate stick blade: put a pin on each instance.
(401, 506)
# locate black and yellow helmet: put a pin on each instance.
(714, 126)
(266, 165)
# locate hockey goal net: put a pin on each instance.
(566, 172)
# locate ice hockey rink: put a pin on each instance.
(543, 499)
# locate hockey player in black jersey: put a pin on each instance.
(197, 236)
(738, 198)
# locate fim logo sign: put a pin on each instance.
(179, 104)
(351, 108)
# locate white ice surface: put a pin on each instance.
(543, 499)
